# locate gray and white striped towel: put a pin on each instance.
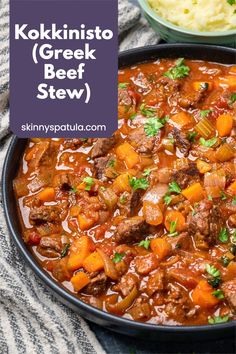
(31, 319)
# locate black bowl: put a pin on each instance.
(118, 324)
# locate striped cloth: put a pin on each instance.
(31, 319)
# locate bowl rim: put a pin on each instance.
(147, 8)
(55, 286)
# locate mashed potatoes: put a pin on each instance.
(200, 15)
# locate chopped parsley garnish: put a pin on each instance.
(123, 199)
(174, 187)
(209, 197)
(224, 260)
(138, 183)
(167, 199)
(204, 85)
(231, 2)
(179, 71)
(123, 85)
(208, 143)
(205, 112)
(213, 271)
(215, 279)
(191, 136)
(146, 172)
(65, 250)
(173, 225)
(89, 181)
(73, 190)
(223, 196)
(234, 235)
(147, 111)
(219, 294)
(234, 200)
(233, 98)
(118, 257)
(152, 126)
(145, 244)
(218, 319)
(133, 116)
(111, 163)
(223, 235)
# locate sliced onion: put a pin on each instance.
(155, 194)
(109, 266)
(119, 307)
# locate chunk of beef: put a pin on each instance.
(103, 169)
(186, 175)
(167, 85)
(65, 181)
(141, 310)
(181, 141)
(229, 289)
(97, 285)
(72, 144)
(126, 284)
(191, 99)
(60, 270)
(142, 83)
(178, 305)
(102, 146)
(145, 264)
(131, 230)
(45, 213)
(204, 224)
(129, 203)
(50, 247)
(141, 142)
(155, 282)
(182, 241)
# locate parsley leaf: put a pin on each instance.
(111, 163)
(65, 250)
(224, 260)
(219, 294)
(133, 116)
(89, 181)
(173, 231)
(138, 183)
(223, 196)
(152, 126)
(231, 2)
(233, 98)
(209, 197)
(167, 199)
(213, 271)
(123, 85)
(123, 199)
(73, 190)
(191, 136)
(234, 200)
(145, 244)
(179, 71)
(205, 112)
(223, 235)
(174, 187)
(118, 257)
(218, 319)
(147, 112)
(146, 172)
(208, 143)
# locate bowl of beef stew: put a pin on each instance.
(136, 232)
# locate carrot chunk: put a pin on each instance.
(84, 222)
(152, 213)
(127, 153)
(93, 262)
(202, 85)
(80, 280)
(121, 183)
(202, 295)
(79, 250)
(160, 247)
(182, 119)
(47, 195)
(224, 124)
(194, 193)
(174, 216)
(232, 188)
